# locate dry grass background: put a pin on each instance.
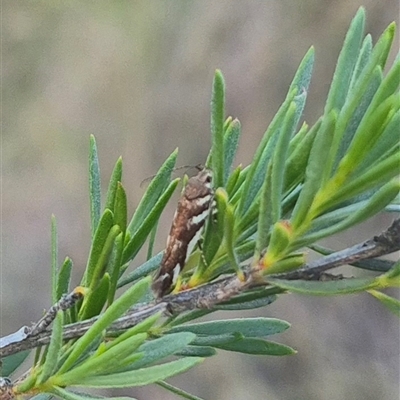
(138, 75)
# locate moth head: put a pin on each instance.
(199, 185)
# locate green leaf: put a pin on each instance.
(94, 185)
(116, 177)
(64, 278)
(374, 176)
(53, 350)
(110, 360)
(12, 362)
(230, 241)
(196, 351)
(256, 173)
(214, 340)
(327, 288)
(248, 327)
(96, 299)
(265, 216)
(371, 264)
(162, 347)
(297, 160)
(215, 230)
(258, 347)
(114, 264)
(178, 391)
(69, 395)
(139, 237)
(120, 208)
(375, 203)
(391, 303)
(143, 376)
(363, 59)
(116, 309)
(231, 141)
(217, 128)
(314, 172)
(104, 256)
(346, 63)
(96, 249)
(145, 269)
(367, 134)
(154, 191)
(302, 78)
(250, 300)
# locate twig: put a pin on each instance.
(223, 289)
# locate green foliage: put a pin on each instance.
(304, 184)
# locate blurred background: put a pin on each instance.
(138, 75)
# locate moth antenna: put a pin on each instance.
(199, 167)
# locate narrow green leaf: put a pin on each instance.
(370, 265)
(231, 185)
(265, 216)
(387, 142)
(363, 59)
(103, 257)
(130, 297)
(143, 376)
(258, 347)
(215, 229)
(256, 173)
(302, 78)
(162, 347)
(314, 172)
(139, 237)
(94, 185)
(217, 128)
(53, 350)
(54, 259)
(116, 177)
(367, 134)
(231, 141)
(96, 299)
(178, 391)
(196, 351)
(145, 269)
(141, 327)
(230, 241)
(114, 264)
(391, 303)
(279, 161)
(346, 63)
(214, 340)
(375, 204)
(246, 305)
(64, 278)
(153, 193)
(120, 208)
(327, 288)
(297, 160)
(248, 327)
(286, 264)
(99, 239)
(110, 360)
(69, 395)
(374, 176)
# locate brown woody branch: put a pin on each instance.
(210, 294)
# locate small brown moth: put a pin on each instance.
(190, 216)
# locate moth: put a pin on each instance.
(193, 209)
